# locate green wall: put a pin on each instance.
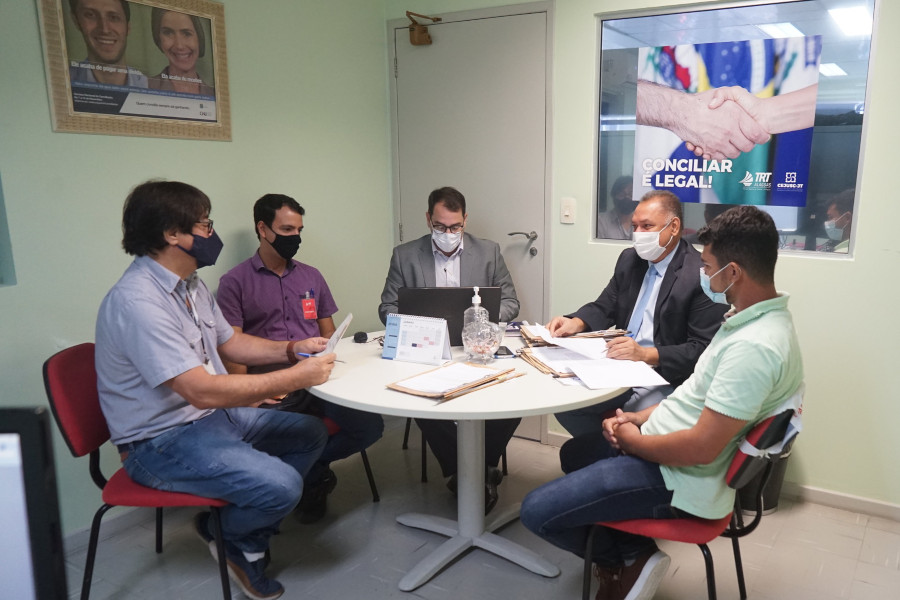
(310, 110)
(309, 97)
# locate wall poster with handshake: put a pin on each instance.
(727, 122)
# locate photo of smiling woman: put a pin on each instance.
(181, 39)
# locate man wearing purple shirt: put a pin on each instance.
(270, 295)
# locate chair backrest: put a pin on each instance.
(766, 442)
(71, 383)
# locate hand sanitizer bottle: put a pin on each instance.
(477, 332)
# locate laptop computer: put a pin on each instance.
(447, 303)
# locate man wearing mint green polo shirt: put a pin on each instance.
(670, 459)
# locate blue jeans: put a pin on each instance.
(589, 419)
(613, 488)
(254, 459)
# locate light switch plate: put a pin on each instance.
(567, 210)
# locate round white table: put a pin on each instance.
(359, 382)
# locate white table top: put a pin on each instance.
(360, 382)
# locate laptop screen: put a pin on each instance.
(447, 303)
(32, 560)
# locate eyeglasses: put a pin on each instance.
(208, 223)
(440, 228)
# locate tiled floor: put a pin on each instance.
(801, 552)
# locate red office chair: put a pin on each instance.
(333, 428)
(775, 436)
(71, 384)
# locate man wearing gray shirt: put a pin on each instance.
(179, 421)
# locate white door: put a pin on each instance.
(471, 111)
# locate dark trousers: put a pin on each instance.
(358, 429)
(441, 437)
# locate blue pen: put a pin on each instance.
(304, 354)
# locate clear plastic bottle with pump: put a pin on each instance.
(480, 336)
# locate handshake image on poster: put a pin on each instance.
(727, 122)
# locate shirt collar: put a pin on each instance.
(163, 276)
(258, 265)
(752, 313)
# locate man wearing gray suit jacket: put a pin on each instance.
(449, 257)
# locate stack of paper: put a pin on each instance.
(585, 357)
(538, 335)
(453, 380)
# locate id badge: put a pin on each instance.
(309, 308)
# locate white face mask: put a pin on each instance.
(447, 242)
(833, 232)
(646, 243)
(717, 297)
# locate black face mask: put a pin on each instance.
(205, 249)
(286, 245)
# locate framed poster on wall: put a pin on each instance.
(150, 68)
(735, 103)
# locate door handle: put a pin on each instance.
(531, 236)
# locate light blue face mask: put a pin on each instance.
(717, 297)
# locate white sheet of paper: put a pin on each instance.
(608, 372)
(559, 359)
(337, 335)
(590, 347)
(446, 378)
(539, 331)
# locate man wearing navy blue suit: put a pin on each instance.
(673, 324)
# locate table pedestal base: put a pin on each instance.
(471, 529)
(458, 544)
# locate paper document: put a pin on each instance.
(337, 335)
(445, 379)
(539, 331)
(608, 373)
(590, 347)
(560, 359)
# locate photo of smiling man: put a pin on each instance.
(104, 25)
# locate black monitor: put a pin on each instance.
(32, 559)
(447, 303)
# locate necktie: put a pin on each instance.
(637, 317)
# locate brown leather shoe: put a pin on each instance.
(607, 578)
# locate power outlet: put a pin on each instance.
(567, 210)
